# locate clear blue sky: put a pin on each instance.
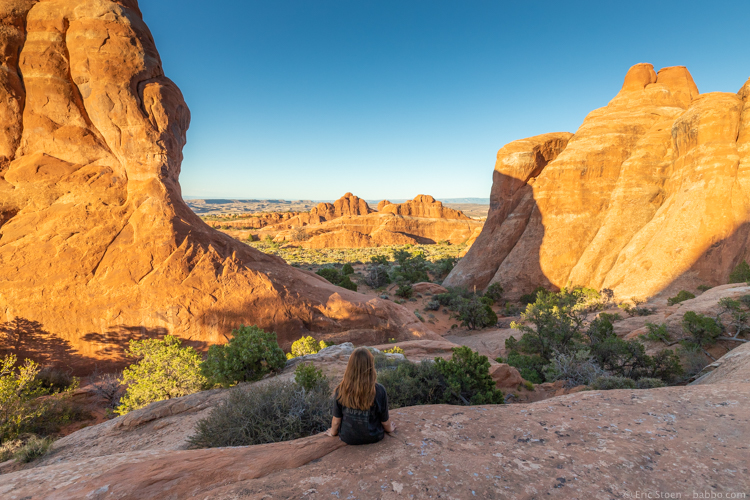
(309, 99)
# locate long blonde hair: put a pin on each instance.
(357, 389)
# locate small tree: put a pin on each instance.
(18, 388)
(681, 296)
(347, 269)
(247, 357)
(304, 346)
(410, 268)
(164, 370)
(476, 313)
(703, 331)
(740, 274)
(494, 292)
(468, 377)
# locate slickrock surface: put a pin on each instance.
(608, 444)
(651, 193)
(95, 240)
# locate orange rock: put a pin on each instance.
(422, 206)
(382, 204)
(96, 243)
(649, 195)
(505, 376)
(430, 288)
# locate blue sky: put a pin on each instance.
(309, 99)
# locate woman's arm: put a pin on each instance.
(389, 426)
(335, 426)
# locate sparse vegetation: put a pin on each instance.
(18, 390)
(740, 274)
(411, 267)
(34, 447)
(681, 296)
(307, 376)
(393, 350)
(530, 298)
(404, 291)
(335, 277)
(702, 331)
(164, 370)
(657, 333)
(347, 269)
(304, 346)
(494, 292)
(268, 413)
(249, 355)
(475, 313)
(468, 378)
(704, 288)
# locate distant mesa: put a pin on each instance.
(423, 206)
(651, 194)
(95, 239)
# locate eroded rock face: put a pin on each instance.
(651, 193)
(95, 240)
(422, 206)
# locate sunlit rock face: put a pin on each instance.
(95, 240)
(650, 194)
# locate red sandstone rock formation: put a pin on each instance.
(422, 206)
(650, 194)
(95, 240)
(346, 205)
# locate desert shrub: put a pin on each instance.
(494, 292)
(108, 387)
(268, 413)
(298, 234)
(347, 269)
(738, 316)
(52, 380)
(681, 296)
(511, 309)
(607, 383)
(33, 448)
(578, 368)
(8, 448)
(531, 367)
(453, 298)
(637, 309)
(309, 377)
(412, 384)
(383, 362)
(348, 284)
(649, 383)
(377, 276)
(704, 288)
(467, 376)
(251, 354)
(475, 313)
(657, 333)
(692, 359)
(410, 267)
(393, 350)
(381, 260)
(304, 346)
(419, 316)
(442, 267)
(530, 298)
(607, 295)
(702, 330)
(740, 274)
(335, 277)
(404, 291)
(432, 305)
(18, 389)
(557, 320)
(164, 370)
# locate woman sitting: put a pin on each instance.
(360, 405)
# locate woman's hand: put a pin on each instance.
(330, 433)
(335, 426)
(389, 426)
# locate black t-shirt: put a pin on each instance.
(363, 426)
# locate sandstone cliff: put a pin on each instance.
(651, 193)
(421, 206)
(95, 240)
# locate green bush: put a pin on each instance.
(531, 367)
(304, 346)
(494, 292)
(432, 305)
(410, 268)
(335, 277)
(740, 274)
(681, 296)
(467, 375)
(576, 369)
(607, 383)
(268, 413)
(309, 377)
(649, 383)
(657, 333)
(442, 267)
(18, 390)
(475, 313)
(35, 447)
(53, 380)
(453, 298)
(530, 298)
(347, 269)
(413, 384)
(702, 330)
(164, 370)
(704, 288)
(8, 448)
(404, 291)
(251, 354)
(377, 275)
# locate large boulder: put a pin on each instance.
(96, 243)
(649, 195)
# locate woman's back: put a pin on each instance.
(363, 426)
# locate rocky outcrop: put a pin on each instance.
(346, 205)
(422, 206)
(575, 446)
(381, 229)
(96, 242)
(649, 195)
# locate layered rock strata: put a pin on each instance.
(649, 195)
(95, 240)
(422, 206)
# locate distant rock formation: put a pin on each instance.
(422, 206)
(95, 240)
(651, 194)
(346, 205)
